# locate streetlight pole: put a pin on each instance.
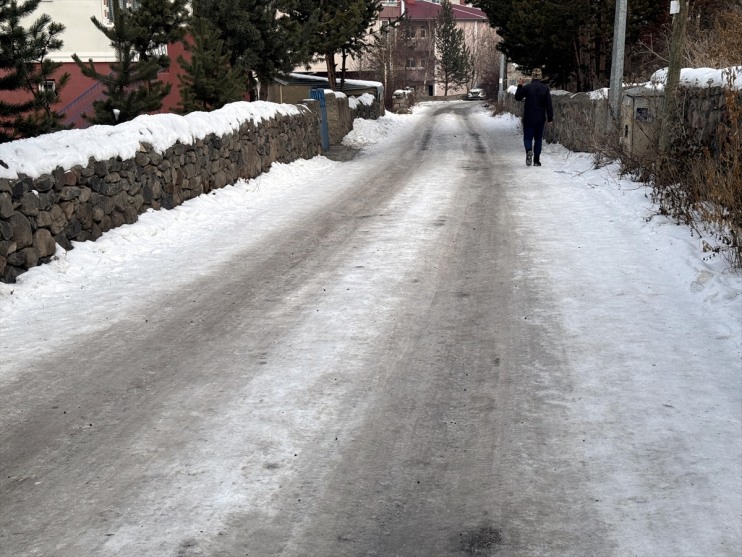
(502, 88)
(619, 42)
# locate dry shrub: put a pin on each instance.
(721, 45)
(701, 185)
(718, 183)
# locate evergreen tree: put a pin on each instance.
(547, 36)
(25, 67)
(570, 39)
(360, 39)
(454, 60)
(14, 49)
(160, 22)
(334, 26)
(209, 80)
(132, 87)
(262, 41)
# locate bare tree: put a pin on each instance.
(482, 42)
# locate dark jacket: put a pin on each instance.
(538, 107)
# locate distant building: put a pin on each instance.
(418, 65)
(81, 37)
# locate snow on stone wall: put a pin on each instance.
(77, 184)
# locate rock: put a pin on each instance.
(44, 243)
(22, 231)
(6, 205)
(7, 247)
(29, 204)
(44, 184)
(72, 229)
(6, 230)
(69, 192)
(63, 242)
(25, 258)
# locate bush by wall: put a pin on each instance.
(699, 181)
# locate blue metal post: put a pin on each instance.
(319, 95)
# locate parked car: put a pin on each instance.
(476, 94)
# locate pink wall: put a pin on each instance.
(78, 84)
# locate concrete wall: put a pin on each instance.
(83, 202)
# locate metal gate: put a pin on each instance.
(319, 95)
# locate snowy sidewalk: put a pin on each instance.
(655, 341)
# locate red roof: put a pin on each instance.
(390, 12)
(423, 9)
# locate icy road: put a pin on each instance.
(428, 350)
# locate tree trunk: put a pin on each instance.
(330, 61)
(344, 58)
(679, 24)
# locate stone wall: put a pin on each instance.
(83, 202)
(703, 111)
(578, 119)
(342, 111)
(365, 107)
(581, 121)
(339, 118)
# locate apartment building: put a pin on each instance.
(81, 37)
(416, 70)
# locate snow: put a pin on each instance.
(366, 99)
(690, 77)
(653, 325)
(599, 94)
(701, 77)
(321, 79)
(74, 147)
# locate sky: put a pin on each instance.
(635, 292)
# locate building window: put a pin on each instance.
(48, 85)
(108, 14)
(423, 32)
(422, 63)
(410, 63)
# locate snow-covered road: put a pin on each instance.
(427, 350)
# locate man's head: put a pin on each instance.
(536, 73)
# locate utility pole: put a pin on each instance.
(679, 9)
(619, 42)
(503, 84)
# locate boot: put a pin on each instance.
(529, 157)
(536, 161)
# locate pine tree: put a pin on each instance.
(209, 80)
(365, 31)
(160, 22)
(334, 26)
(25, 67)
(14, 50)
(570, 39)
(131, 88)
(454, 60)
(262, 41)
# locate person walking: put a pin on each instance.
(536, 112)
